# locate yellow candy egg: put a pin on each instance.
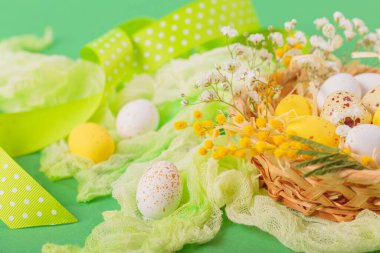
(91, 141)
(376, 117)
(292, 106)
(314, 128)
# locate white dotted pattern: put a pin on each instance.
(176, 34)
(23, 202)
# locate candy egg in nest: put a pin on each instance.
(343, 107)
(368, 81)
(338, 82)
(92, 141)
(372, 99)
(365, 140)
(137, 117)
(314, 128)
(159, 191)
(376, 117)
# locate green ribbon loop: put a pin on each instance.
(142, 45)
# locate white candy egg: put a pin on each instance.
(372, 99)
(338, 82)
(137, 117)
(342, 107)
(368, 81)
(159, 191)
(364, 140)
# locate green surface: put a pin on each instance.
(77, 22)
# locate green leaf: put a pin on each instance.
(313, 144)
(318, 160)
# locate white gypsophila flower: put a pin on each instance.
(328, 30)
(232, 66)
(349, 34)
(256, 38)
(229, 31)
(363, 30)
(300, 37)
(209, 79)
(316, 41)
(358, 23)
(291, 41)
(241, 51)
(225, 86)
(342, 130)
(250, 79)
(327, 46)
(321, 22)
(378, 33)
(202, 83)
(345, 24)
(290, 25)
(207, 96)
(254, 96)
(369, 40)
(338, 16)
(336, 42)
(242, 73)
(307, 62)
(277, 39)
(264, 54)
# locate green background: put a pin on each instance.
(76, 22)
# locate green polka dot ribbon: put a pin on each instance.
(24, 202)
(144, 45)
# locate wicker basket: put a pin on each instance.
(336, 196)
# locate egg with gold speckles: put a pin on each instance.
(372, 99)
(137, 117)
(159, 191)
(343, 107)
(92, 141)
(314, 128)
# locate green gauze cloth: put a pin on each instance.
(197, 220)
(164, 89)
(210, 185)
(42, 97)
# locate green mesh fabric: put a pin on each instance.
(163, 89)
(31, 81)
(196, 221)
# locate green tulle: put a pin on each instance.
(31, 81)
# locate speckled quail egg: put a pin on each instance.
(342, 107)
(372, 99)
(338, 82)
